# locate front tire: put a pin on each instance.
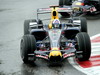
(84, 45)
(27, 24)
(28, 45)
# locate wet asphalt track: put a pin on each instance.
(12, 15)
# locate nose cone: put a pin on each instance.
(55, 56)
(55, 53)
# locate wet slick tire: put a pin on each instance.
(67, 2)
(83, 24)
(26, 25)
(99, 4)
(83, 45)
(60, 2)
(28, 46)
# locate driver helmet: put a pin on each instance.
(56, 23)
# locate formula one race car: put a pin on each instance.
(55, 41)
(81, 6)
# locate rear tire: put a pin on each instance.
(67, 2)
(84, 45)
(26, 25)
(83, 24)
(64, 2)
(61, 2)
(99, 5)
(28, 45)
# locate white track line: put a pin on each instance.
(94, 36)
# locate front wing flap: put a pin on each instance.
(45, 54)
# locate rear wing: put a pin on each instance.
(49, 10)
(44, 10)
(67, 9)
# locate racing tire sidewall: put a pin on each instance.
(67, 2)
(83, 24)
(61, 2)
(27, 46)
(84, 45)
(99, 4)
